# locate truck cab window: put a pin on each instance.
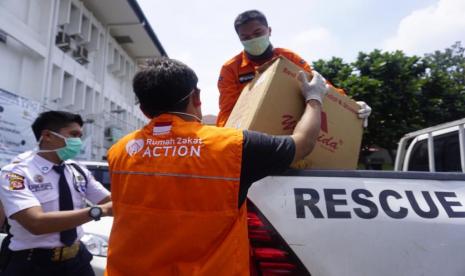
(446, 154)
(419, 157)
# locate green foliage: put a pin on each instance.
(335, 69)
(444, 87)
(406, 93)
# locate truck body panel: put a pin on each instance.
(366, 223)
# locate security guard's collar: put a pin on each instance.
(42, 164)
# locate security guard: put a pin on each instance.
(254, 33)
(179, 186)
(44, 197)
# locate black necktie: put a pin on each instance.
(66, 203)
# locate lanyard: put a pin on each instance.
(77, 187)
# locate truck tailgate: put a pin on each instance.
(355, 223)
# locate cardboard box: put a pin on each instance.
(272, 103)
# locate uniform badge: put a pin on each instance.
(16, 181)
(80, 184)
(38, 178)
(40, 187)
(246, 77)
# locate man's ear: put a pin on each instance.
(269, 31)
(45, 134)
(45, 137)
(196, 100)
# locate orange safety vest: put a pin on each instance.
(175, 190)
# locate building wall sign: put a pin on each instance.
(16, 117)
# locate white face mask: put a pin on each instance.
(256, 46)
(72, 148)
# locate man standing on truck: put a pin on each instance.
(179, 187)
(44, 198)
(254, 33)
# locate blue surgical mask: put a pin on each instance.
(256, 46)
(72, 148)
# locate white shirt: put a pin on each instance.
(33, 182)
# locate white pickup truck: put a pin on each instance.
(312, 222)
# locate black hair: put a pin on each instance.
(163, 85)
(248, 16)
(54, 121)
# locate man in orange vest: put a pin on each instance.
(254, 33)
(178, 186)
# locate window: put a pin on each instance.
(419, 157)
(446, 154)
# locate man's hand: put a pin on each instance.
(316, 89)
(364, 112)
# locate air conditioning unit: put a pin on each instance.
(81, 55)
(63, 41)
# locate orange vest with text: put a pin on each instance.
(175, 189)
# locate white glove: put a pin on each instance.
(316, 89)
(364, 112)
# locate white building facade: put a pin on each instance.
(78, 56)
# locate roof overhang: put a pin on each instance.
(127, 23)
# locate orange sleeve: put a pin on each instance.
(296, 59)
(229, 93)
(340, 90)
